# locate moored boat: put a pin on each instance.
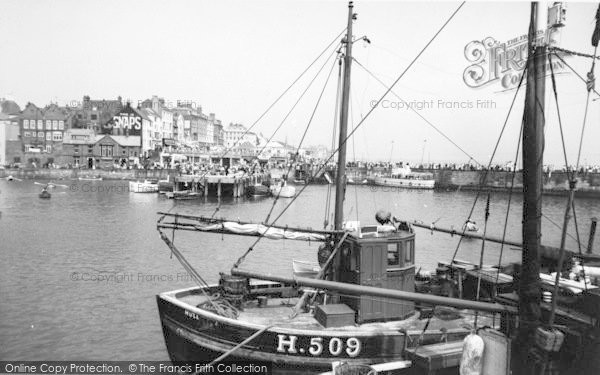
(258, 190)
(94, 178)
(45, 194)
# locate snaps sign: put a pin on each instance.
(127, 122)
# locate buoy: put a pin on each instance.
(470, 362)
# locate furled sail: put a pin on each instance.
(202, 224)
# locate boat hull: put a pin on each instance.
(404, 183)
(196, 335)
(258, 191)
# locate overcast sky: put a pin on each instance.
(235, 57)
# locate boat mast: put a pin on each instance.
(533, 140)
(340, 186)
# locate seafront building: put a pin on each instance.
(111, 133)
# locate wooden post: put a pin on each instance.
(592, 234)
(533, 141)
(219, 189)
(205, 187)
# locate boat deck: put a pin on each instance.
(278, 310)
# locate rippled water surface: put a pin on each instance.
(80, 271)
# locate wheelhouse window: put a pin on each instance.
(409, 253)
(393, 256)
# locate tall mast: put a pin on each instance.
(533, 140)
(341, 166)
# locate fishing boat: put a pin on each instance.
(404, 177)
(143, 187)
(361, 308)
(354, 316)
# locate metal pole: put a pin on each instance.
(361, 290)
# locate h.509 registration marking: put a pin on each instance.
(351, 346)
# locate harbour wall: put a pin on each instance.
(588, 184)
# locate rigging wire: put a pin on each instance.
(358, 125)
(241, 259)
(303, 137)
(418, 114)
(484, 177)
(354, 154)
(510, 194)
(574, 71)
(572, 183)
(335, 125)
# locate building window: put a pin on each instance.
(40, 135)
(106, 150)
(40, 124)
(76, 150)
(48, 148)
(94, 117)
(54, 125)
(25, 124)
(27, 134)
(48, 136)
(57, 136)
(124, 152)
(90, 150)
(61, 125)
(48, 124)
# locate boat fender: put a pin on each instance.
(470, 362)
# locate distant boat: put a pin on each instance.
(97, 178)
(282, 190)
(45, 194)
(183, 195)
(405, 178)
(143, 187)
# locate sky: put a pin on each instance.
(234, 58)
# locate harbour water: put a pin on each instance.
(80, 271)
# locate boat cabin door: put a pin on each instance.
(380, 262)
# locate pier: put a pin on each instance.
(217, 184)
